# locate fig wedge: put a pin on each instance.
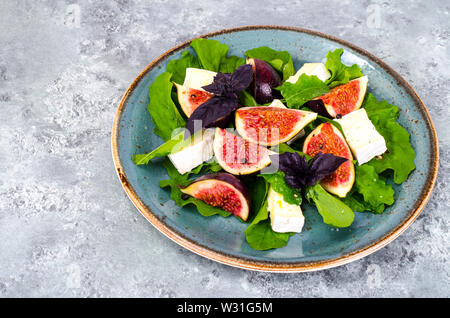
(326, 138)
(222, 190)
(269, 126)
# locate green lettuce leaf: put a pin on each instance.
(162, 109)
(281, 61)
(400, 155)
(333, 211)
(230, 64)
(177, 179)
(178, 66)
(210, 53)
(306, 88)
(340, 73)
(246, 99)
(370, 191)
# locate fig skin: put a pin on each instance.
(265, 79)
(317, 105)
(233, 182)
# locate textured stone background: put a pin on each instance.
(66, 226)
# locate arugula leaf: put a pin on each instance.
(370, 192)
(281, 61)
(333, 211)
(259, 233)
(340, 73)
(282, 148)
(400, 156)
(355, 201)
(257, 188)
(278, 183)
(178, 66)
(306, 88)
(166, 148)
(177, 179)
(210, 53)
(162, 109)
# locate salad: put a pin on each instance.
(252, 137)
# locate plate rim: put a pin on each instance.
(272, 266)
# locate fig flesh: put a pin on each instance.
(190, 98)
(326, 138)
(265, 79)
(221, 190)
(237, 155)
(269, 126)
(344, 99)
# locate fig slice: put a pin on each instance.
(344, 99)
(237, 155)
(190, 98)
(221, 190)
(269, 126)
(265, 79)
(326, 138)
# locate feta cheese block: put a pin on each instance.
(199, 151)
(317, 69)
(361, 135)
(284, 217)
(197, 78)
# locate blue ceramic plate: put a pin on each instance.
(222, 239)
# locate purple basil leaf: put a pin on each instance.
(299, 174)
(220, 84)
(226, 83)
(295, 168)
(215, 112)
(326, 163)
(291, 163)
(241, 78)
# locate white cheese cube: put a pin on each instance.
(284, 217)
(317, 69)
(361, 135)
(199, 151)
(197, 78)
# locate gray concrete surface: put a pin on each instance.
(67, 229)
